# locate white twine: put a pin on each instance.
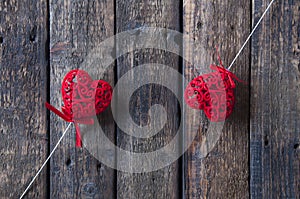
(243, 46)
(63, 135)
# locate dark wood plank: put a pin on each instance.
(76, 28)
(163, 183)
(223, 173)
(23, 78)
(275, 110)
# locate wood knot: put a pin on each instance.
(199, 25)
(266, 141)
(32, 34)
(69, 162)
(90, 189)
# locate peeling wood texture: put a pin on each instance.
(77, 27)
(224, 172)
(163, 183)
(23, 69)
(275, 102)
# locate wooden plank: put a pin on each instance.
(275, 110)
(76, 28)
(163, 183)
(23, 78)
(223, 173)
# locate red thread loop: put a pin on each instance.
(83, 99)
(230, 75)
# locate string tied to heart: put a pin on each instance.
(213, 92)
(69, 119)
(83, 98)
(223, 71)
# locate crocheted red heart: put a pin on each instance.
(213, 93)
(83, 98)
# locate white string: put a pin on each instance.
(243, 46)
(63, 135)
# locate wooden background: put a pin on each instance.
(258, 154)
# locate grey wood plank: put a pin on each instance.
(163, 183)
(23, 78)
(274, 137)
(77, 27)
(224, 172)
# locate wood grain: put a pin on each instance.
(163, 183)
(224, 172)
(257, 155)
(275, 102)
(76, 28)
(23, 78)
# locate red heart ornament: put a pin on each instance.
(213, 93)
(83, 98)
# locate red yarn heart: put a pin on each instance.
(213, 93)
(83, 99)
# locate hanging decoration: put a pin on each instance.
(83, 98)
(213, 93)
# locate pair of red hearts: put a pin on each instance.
(85, 98)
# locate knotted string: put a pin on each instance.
(223, 70)
(69, 118)
(230, 75)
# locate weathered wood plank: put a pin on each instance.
(275, 102)
(23, 78)
(76, 28)
(224, 172)
(163, 183)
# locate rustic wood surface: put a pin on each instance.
(275, 102)
(163, 183)
(23, 69)
(257, 154)
(76, 28)
(23, 64)
(224, 172)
